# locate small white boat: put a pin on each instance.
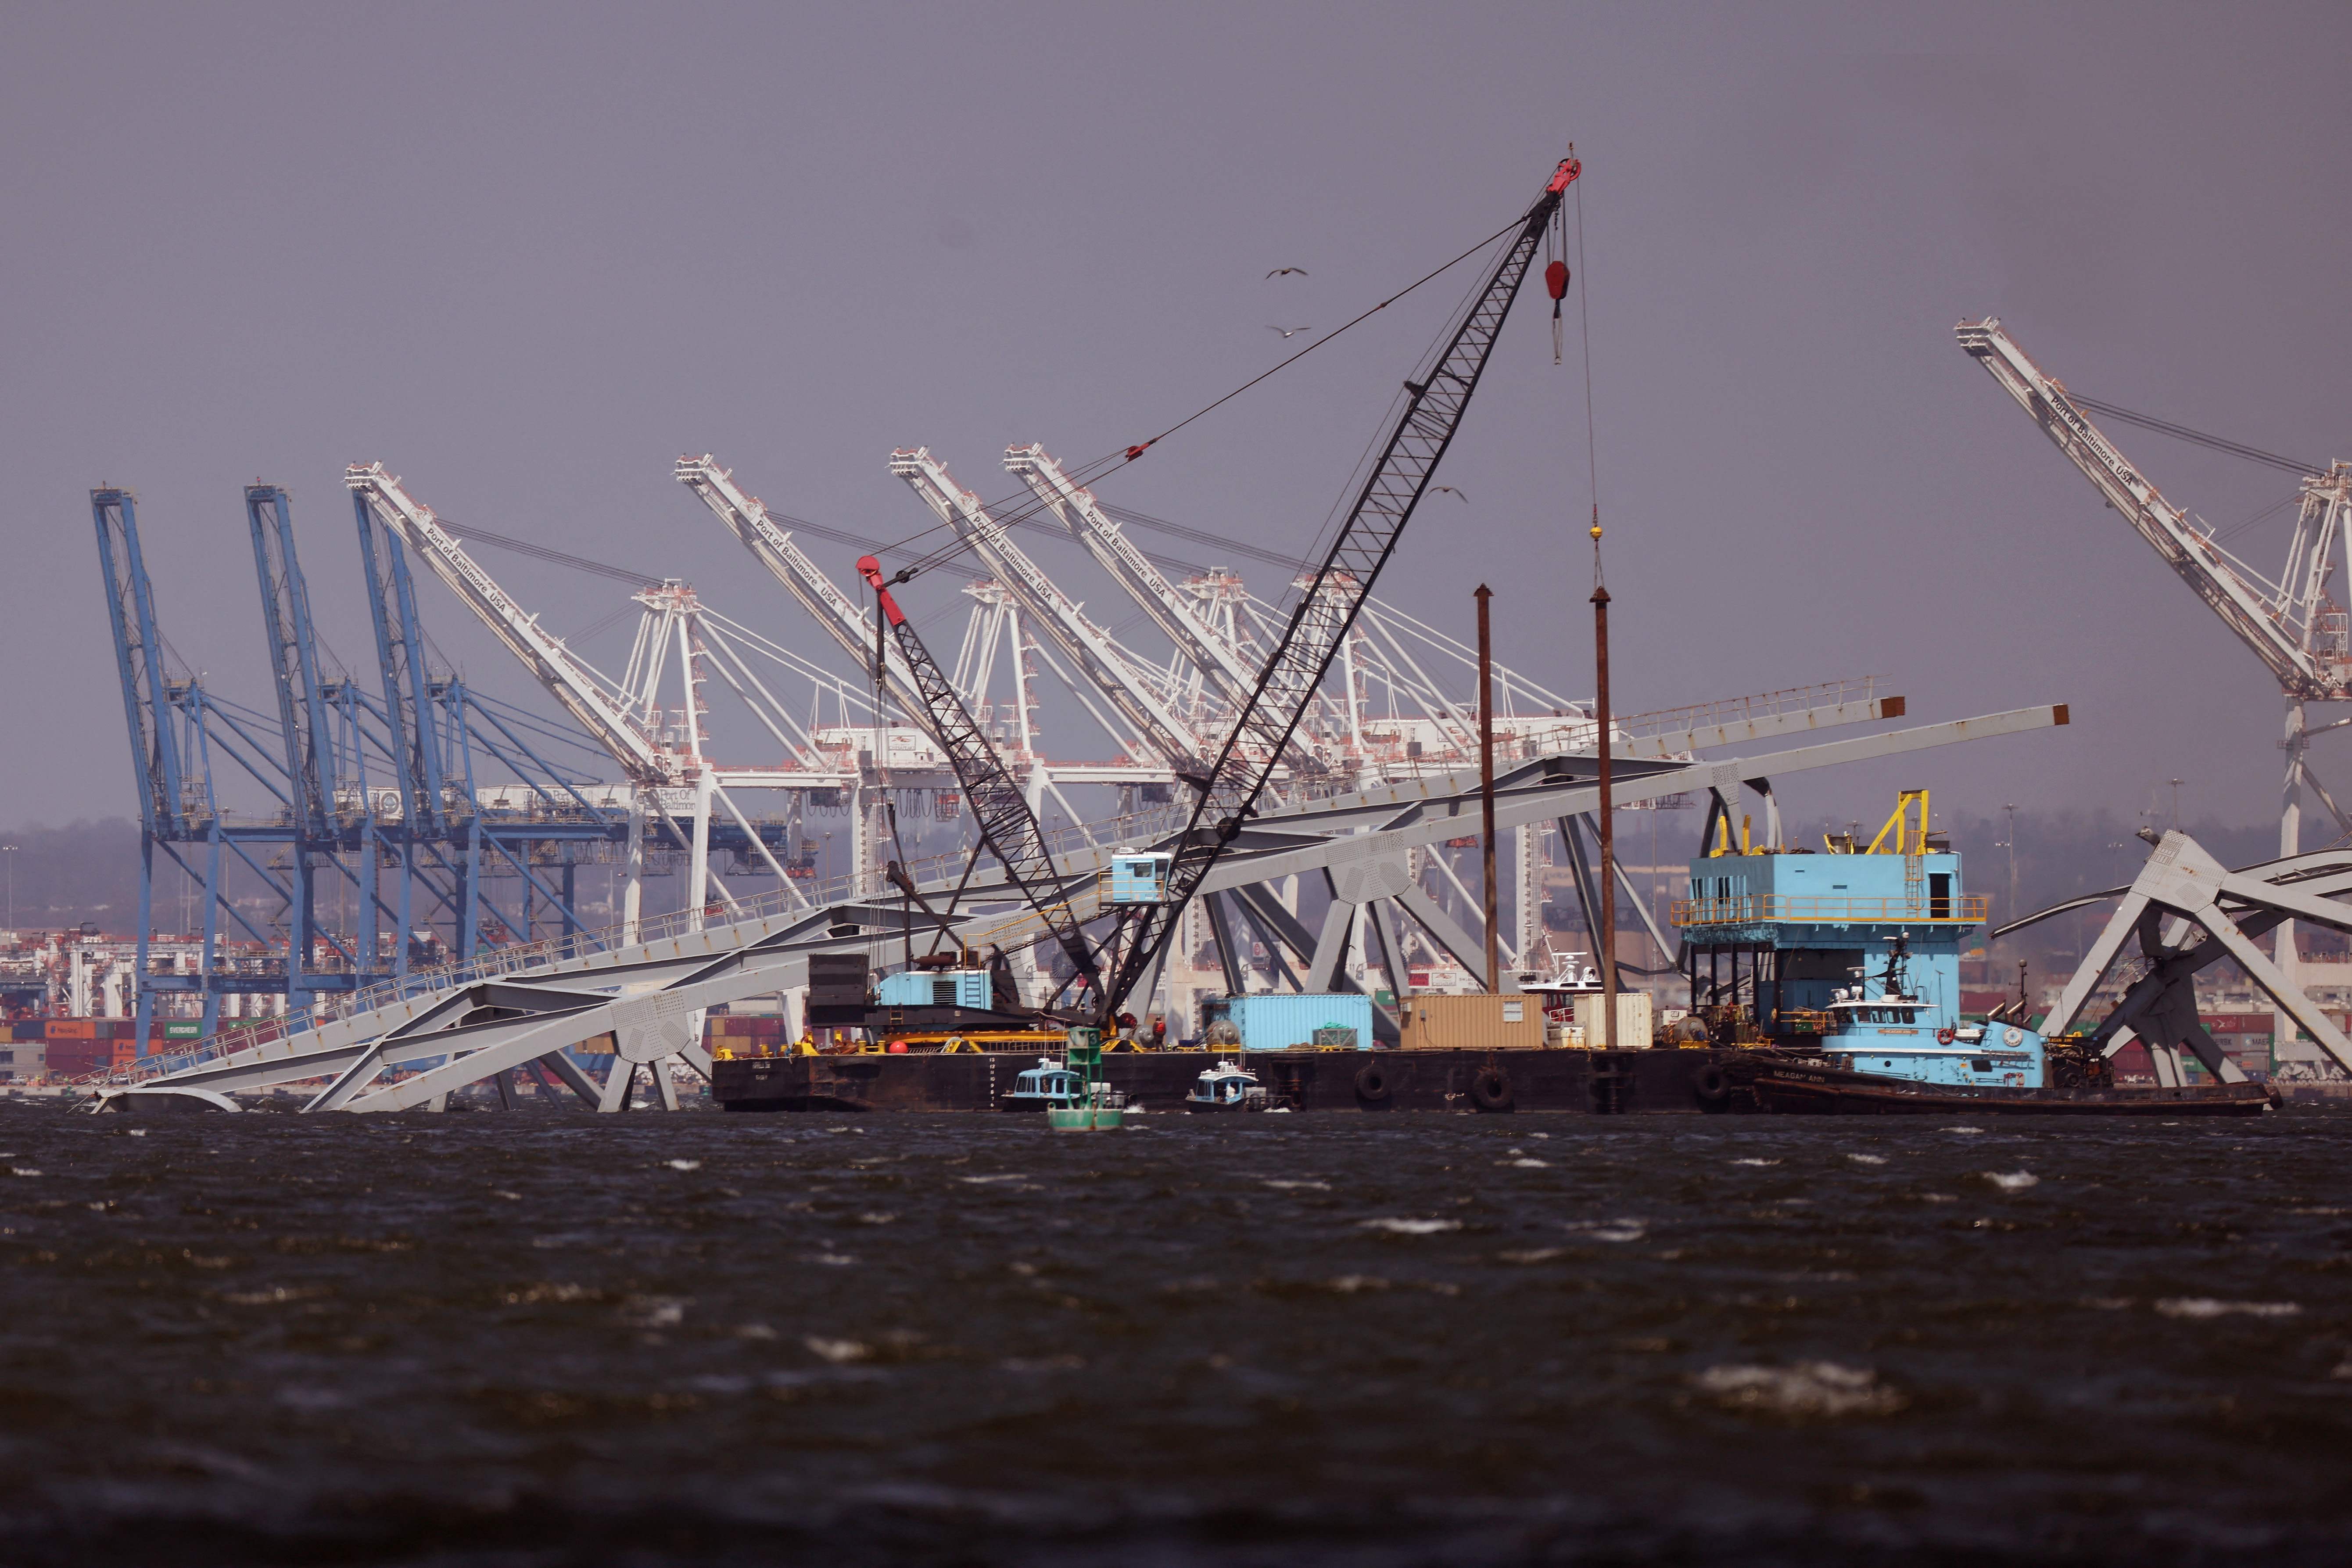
(1226, 1087)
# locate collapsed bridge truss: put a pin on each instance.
(509, 1014)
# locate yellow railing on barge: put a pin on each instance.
(1828, 908)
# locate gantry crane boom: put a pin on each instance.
(293, 661)
(571, 682)
(139, 653)
(775, 548)
(1099, 659)
(413, 739)
(1153, 592)
(999, 807)
(1328, 608)
(1207, 648)
(2282, 621)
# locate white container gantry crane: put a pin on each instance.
(838, 615)
(1125, 681)
(852, 629)
(662, 771)
(2291, 624)
(1228, 667)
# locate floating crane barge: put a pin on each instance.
(1798, 1044)
(1825, 984)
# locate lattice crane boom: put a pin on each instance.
(999, 807)
(2283, 623)
(1099, 659)
(1324, 611)
(565, 678)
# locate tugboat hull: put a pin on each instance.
(1785, 1087)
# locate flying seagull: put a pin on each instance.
(1285, 271)
(1286, 332)
(1450, 490)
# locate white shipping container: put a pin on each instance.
(1633, 1031)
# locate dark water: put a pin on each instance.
(537, 1337)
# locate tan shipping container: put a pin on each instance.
(1480, 1021)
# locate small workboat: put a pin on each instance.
(1043, 1086)
(1225, 1087)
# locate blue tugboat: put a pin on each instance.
(1896, 1034)
(1840, 969)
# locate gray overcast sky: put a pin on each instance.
(525, 254)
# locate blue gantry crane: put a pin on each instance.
(309, 744)
(331, 823)
(174, 737)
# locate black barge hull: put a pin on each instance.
(1699, 1082)
(1678, 1082)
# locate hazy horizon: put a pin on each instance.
(527, 256)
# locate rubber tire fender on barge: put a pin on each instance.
(1711, 1084)
(1491, 1090)
(1372, 1084)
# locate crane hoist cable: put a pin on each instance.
(543, 553)
(1323, 615)
(1198, 536)
(2183, 433)
(1017, 513)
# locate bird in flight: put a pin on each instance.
(1450, 490)
(1285, 271)
(1286, 332)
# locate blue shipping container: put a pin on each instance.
(1277, 1021)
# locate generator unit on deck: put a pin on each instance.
(1140, 877)
(936, 988)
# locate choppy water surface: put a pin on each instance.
(539, 1338)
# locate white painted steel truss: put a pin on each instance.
(2187, 910)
